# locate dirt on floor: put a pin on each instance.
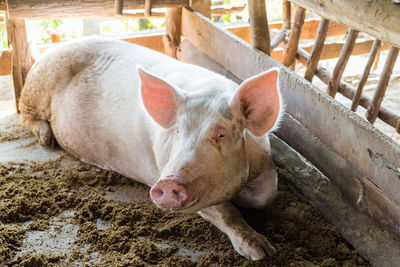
(62, 212)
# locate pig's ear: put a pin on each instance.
(160, 99)
(257, 102)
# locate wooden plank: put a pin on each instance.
(259, 30)
(153, 41)
(226, 9)
(363, 151)
(5, 62)
(37, 9)
(201, 6)
(379, 18)
(359, 229)
(21, 55)
(188, 53)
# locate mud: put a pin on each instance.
(62, 212)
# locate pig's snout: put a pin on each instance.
(169, 195)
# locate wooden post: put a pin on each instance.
(375, 105)
(172, 37)
(356, 99)
(289, 56)
(348, 91)
(147, 8)
(316, 51)
(259, 25)
(286, 14)
(119, 7)
(279, 37)
(21, 55)
(342, 62)
(376, 62)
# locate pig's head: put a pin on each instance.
(208, 160)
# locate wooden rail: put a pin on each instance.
(378, 18)
(46, 9)
(154, 41)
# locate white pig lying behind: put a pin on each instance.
(196, 138)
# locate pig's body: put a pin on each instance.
(89, 91)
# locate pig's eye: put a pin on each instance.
(219, 134)
(220, 137)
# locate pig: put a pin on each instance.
(198, 139)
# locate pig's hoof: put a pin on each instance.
(45, 135)
(253, 246)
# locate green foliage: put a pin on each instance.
(50, 23)
(3, 34)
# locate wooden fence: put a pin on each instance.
(356, 181)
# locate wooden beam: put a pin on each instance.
(259, 25)
(375, 105)
(377, 18)
(289, 56)
(172, 37)
(47, 9)
(364, 77)
(226, 9)
(342, 62)
(201, 6)
(312, 109)
(21, 56)
(316, 50)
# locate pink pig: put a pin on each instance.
(195, 137)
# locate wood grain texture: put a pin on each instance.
(36, 9)
(172, 37)
(5, 62)
(317, 49)
(344, 57)
(378, 243)
(289, 56)
(21, 54)
(259, 30)
(364, 77)
(379, 18)
(375, 105)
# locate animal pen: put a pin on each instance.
(338, 161)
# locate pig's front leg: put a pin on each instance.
(246, 241)
(260, 192)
